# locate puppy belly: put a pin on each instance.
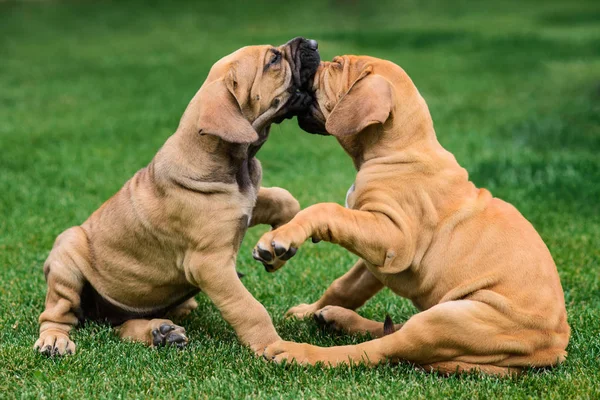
(96, 307)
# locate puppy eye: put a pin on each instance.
(275, 59)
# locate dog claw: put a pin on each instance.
(52, 345)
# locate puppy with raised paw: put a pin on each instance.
(486, 285)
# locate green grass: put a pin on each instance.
(89, 92)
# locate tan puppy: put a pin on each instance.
(485, 282)
(175, 228)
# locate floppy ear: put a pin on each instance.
(221, 114)
(367, 102)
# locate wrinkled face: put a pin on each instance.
(351, 94)
(265, 83)
(332, 80)
(291, 67)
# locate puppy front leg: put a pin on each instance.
(373, 236)
(274, 206)
(220, 281)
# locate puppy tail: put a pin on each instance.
(388, 326)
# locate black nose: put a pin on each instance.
(313, 44)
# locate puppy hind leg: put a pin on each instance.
(461, 336)
(467, 331)
(65, 283)
(153, 332)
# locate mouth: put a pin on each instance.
(304, 59)
(311, 120)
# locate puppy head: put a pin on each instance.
(351, 95)
(253, 87)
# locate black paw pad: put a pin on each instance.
(177, 339)
(288, 254)
(264, 254)
(168, 334)
(279, 250)
(166, 328)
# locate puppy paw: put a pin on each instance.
(301, 311)
(276, 247)
(169, 334)
(283, 351)
(335, 318)
(54, 343)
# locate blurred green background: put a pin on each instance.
(90, 90)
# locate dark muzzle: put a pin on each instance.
(303, 57)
